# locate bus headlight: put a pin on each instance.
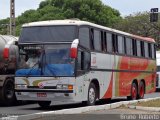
(21, 86)
(64, 86)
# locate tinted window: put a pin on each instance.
(48, 34)
(134, 47)
(121, 45)
(109, 42)
(153, 51)
(138, 49)
(115, 45)
(142, 49)
(149, 50)
(84, 37)
(83, 60)
(146, 49)
(105, 42)
(92, 38)
(128, 46)
(97, 41)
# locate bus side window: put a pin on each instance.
(92, 38)
(84, 37)
(83, 60)
(142, 49)
(128, 46)
(114, 43)
(153, 51)
(121, 45)
(146, 49)
(105, 41)
(102, 42)
(134, 47)
(109, 42)
(149, 50)
(97, 41)
(86, 60)
(125, 49)
(139, 49)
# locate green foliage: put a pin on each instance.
(139, 24)
(88, 10)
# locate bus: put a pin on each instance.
(158, 70)
(69, 61)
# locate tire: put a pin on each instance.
(134, 92)
(92, 95)
(44, 104)
(7, 93)
(141, 90)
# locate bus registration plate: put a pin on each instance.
(41, 94)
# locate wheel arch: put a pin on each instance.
(135, 81)
(4, 80)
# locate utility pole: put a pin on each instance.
(12, 17)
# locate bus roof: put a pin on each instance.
(79, 23)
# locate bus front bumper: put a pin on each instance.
(54, 95)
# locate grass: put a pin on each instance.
(151, 103)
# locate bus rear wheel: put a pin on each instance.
(92, 95)
(141, 90)
(134, 92)
(44, 104)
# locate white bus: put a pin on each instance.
(78, 61)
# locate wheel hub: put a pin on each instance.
(91, 95)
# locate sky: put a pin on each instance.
(20, 7)
(125, 7)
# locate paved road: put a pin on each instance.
(34, 108)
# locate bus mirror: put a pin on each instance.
(73, 53)
(73, 50)
(6, 53)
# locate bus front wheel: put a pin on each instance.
(92, 95)
(44, 104)
(7, 94)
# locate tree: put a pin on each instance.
(90, 10)
(139, 24)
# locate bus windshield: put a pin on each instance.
(44, 34)
(50, 60)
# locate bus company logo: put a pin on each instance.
(40, 85)
(94, 60)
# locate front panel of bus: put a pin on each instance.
(46, 69)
